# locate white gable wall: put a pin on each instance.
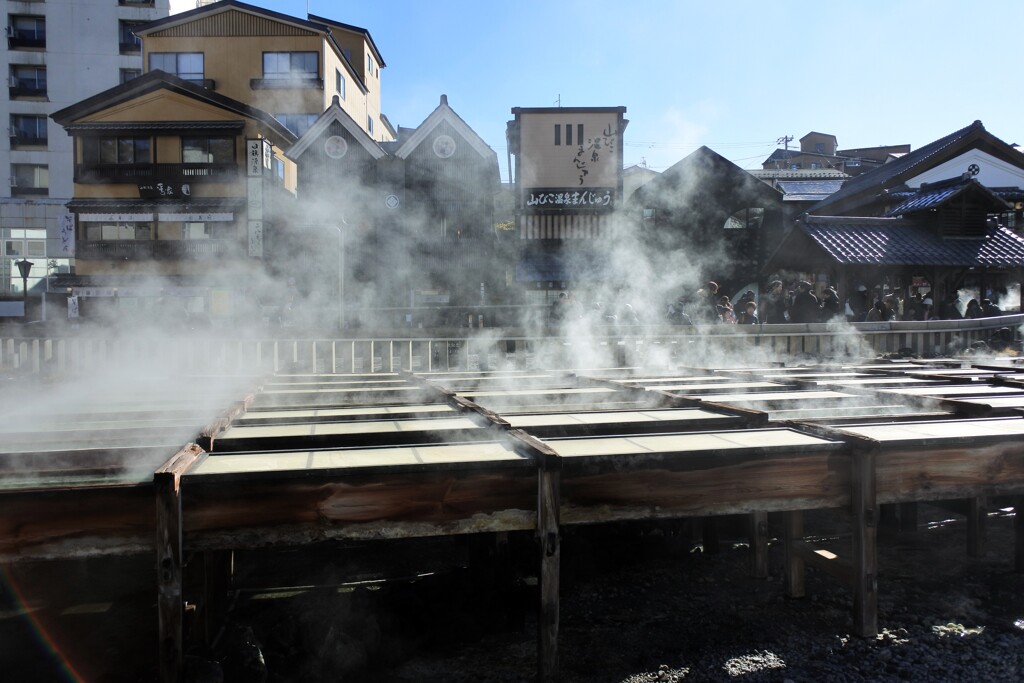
(993, 172)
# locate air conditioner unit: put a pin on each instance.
(13, 82)
(10, 31)
(12, 132)
(14, 181)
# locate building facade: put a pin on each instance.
(176, 189)
(290, 67)
(51, 63)
(568, 185)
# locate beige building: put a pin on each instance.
(568, 183)
(284, 65)
(177, 189)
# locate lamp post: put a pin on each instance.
(24, 267)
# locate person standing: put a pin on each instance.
(805, 308)
(772, 304)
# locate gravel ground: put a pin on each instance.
(669, 612)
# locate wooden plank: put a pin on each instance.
(865, 545)
(170, 605)
(913, 473)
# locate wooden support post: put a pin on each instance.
(170, 608)
(793, 531)
(709, 535)
(759, 545)
(865, 545)
(548, 502)
(977, 516)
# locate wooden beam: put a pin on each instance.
(865, 544)
(170, 608)
(548, 533)
(759, 544)
(792, 534)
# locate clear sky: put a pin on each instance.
(732, 75)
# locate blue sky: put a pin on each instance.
(734, 76)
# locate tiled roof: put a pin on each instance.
(825, 187)
(879, 178)
(894, 241)
(937, 194)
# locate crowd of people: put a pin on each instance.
(801, 302)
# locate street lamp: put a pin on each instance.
(24, 267)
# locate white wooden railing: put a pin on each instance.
(493, 348)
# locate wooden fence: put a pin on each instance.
(499, 349)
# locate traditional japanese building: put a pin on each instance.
(414, 218)
(568, 184)
(176, 188)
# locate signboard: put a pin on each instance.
(558, 197)
(254, 198)
(166, 190)
(254, 158)
(209, 217)
(72, 307)
(268, 155)
(66, 227)
(115, 217)
(256, 239)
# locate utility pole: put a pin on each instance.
(785, 140)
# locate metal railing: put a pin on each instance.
(495, 348)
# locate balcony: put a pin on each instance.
(26, 40)
(20, 140)
(148, 250)
(133, 173)
(285, 83)
(131, 48)
(136, 3)
(26, 88)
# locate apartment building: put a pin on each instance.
(284, 65)
(58, 52)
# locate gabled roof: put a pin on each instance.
(334, 114)
(897, 241)
(807, 190)
(934, 195)
(159, 80)
(353, 29)
(444, 113)
(867, 186)
(314, 24)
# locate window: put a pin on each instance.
(290, 65)
(195, 231)
(208, 150)
(28, 81)
(815, 165)
(26, 31)
(130, 74)
(30, 179)
(117, 150)
(819, 147)
(28, 129)
(568, 134)
(130, 43)
(297, 123)
(184, 65)
(369, 124)
(339, 84)
(369, 65)
(114, 230)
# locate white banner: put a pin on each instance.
(67, 235)
(254, 157)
